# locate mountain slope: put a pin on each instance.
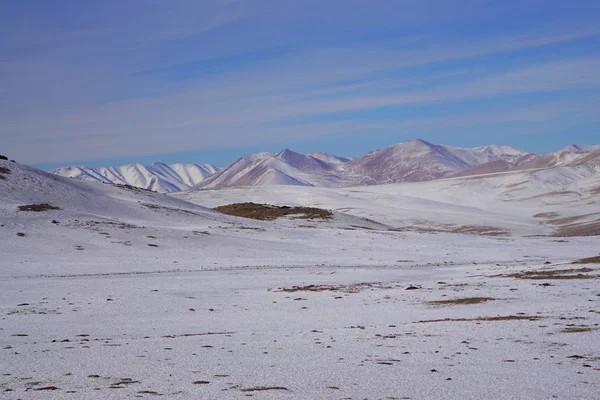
(76, 199)
(565, 156)
(156, 176)
(418, 160)
(284, 168)
(412, 161)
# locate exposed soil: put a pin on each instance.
(580, 229)
(546, 215)
(487, 319)
(468, 300)
(265, 212)
(589, 260)
(577, 329)
(263, 388)
(132, 188)
(4, 171)
(353, 288)
(570, 220)
(570, 273)
(38, 207)
(163, 208)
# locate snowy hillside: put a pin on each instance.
(568, 155)
(284, 168)
(156, 176)
(418, 160)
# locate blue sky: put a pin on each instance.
(111, 82)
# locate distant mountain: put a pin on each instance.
(284, 168)
(411, 161)
(329, 158)
(156, 176)
(572, 155)
(568, 155)
(418, 160)
(505, 153)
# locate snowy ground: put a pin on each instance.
(119, 299)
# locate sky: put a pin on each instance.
(98, 83)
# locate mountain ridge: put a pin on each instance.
(156, 176)
(415, 160)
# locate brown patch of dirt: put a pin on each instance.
(467, 300)
(265, 212)
(570, 220)
(487, 319)
(263, 388)
(577, 329)
(570, 273)
(595, 191)
(197, 334)
(589, 260)
(48, 388)
(4, 171)
(546, 215)
(132, 188)
(38, 207)
(481, 230)
(353, 288)
(166, 209)
(581, 229)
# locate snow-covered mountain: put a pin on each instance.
(566, 156)
(412, 161)
(572, 155)
(284, 168)
(156, 176)
(418, 160)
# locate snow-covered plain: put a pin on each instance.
(130, 293)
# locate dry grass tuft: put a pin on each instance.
(571, 273)
(579, 229)
(353, 288)
(468, 300)
(576, 329)
(158, 207)
(132, 188)
(546, 215)
(38, 207)
(486, 319)
(263, 388)
(589, 260)
(265, 212)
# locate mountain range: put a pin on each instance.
(411, 161)
(155, 176)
